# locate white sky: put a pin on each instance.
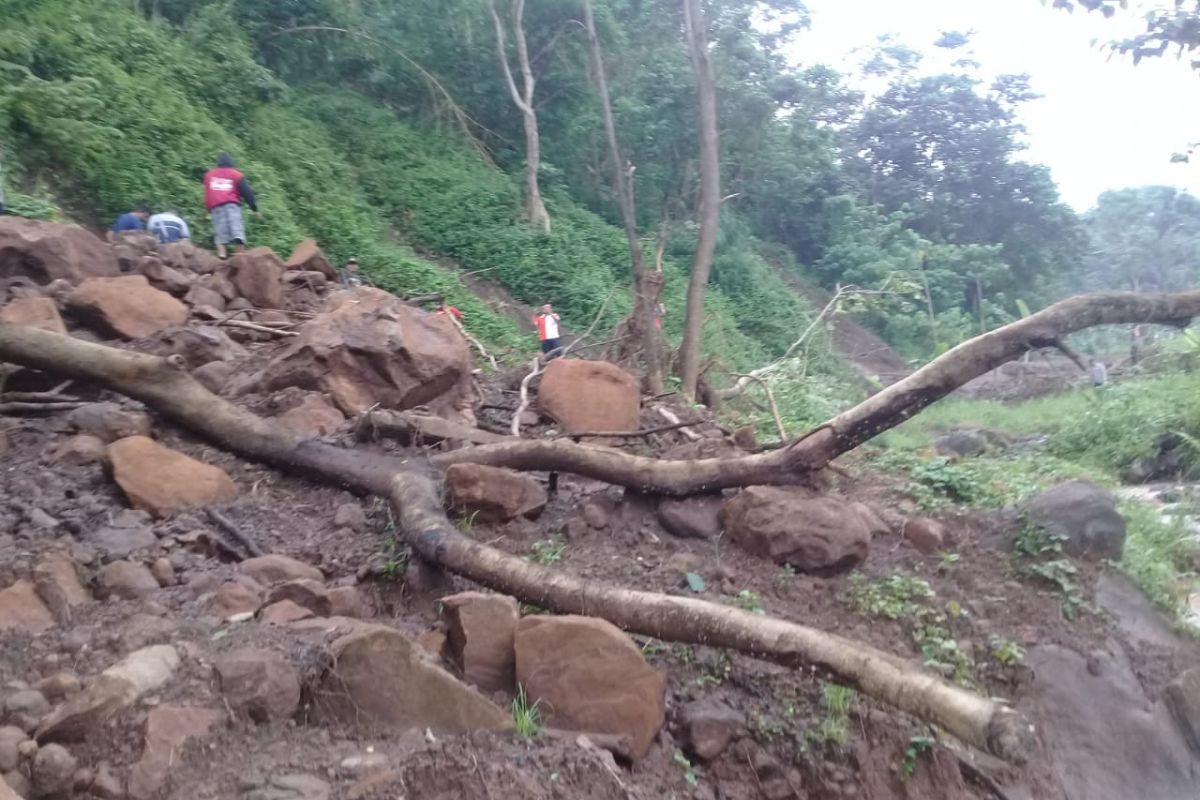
(1101, 124)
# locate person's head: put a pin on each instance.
(142, 211)
(225, 160)
(547, 309)
(352, 265)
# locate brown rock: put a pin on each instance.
(307, 257)
(352, 516)
(107, 785)
(284, 612)
(745, 438)
(1182, 696)
(163, 571)
(589, 396)
(306, 593)
(369, 348)
(595, 515)
(109, 422)
(258, 276)
(57, 583)
(53, 770)
(22, 610)
(493, 494)
(197, 345)
(314, 417)
(168, 729)
(274, 568)
(695, 517)
(213, 375)
(813, 534)
(33, 312)
(81, 449)
(346, 601)
(161, 481)
(706, 727)
(58, 686)
(15, 786)
(168, 279)
(434, 643)
(480, 629)
(186, 255)
(258, 683)
(381, 675)
(125, 579)
(128, 307)
(589, 676)
(10, 753)
(201, 296)
(234, 598)
(48, 251)
(925, 534)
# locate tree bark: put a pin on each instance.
(709, 208)
(646, 291)
(535, 208)
(164, 384)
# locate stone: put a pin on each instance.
(961, 444)
(589, 676)
(186, 255)
(128, 580)
(15, 786)
(368, 348)
(352, 516)
(10, 753)
(480, 629)
(292, 787)
(595, 515)
(214, 375)
(493, 494)
(315, 416)
(258, 683)
(284, 612)
(48, 251)
(706, 727)
(57, 583)
(168, 279)
(58, 686)
(109, 422)
(81, 449)
(161, 481)
(40, 520)
(204, 300)
(122, 538)
(589, 396)
(274, 568)
(164, 572)
(823, 535)
(695, 517)
(925, 534)
(347, 601)
(307, 257)
(1084, 515)
(745, 438)
(107, 785)
(434, 643)
(235, 598)
(117, 688)
(1182, 696)
(53, 770)
(167, 730)
(197, 345)
(258, 276)
(25, 708)
(306, 593)
(22, 610)
(380, 675)
(33, 312)
(127, 307)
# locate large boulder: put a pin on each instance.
(314, 416)
(161, 481)
(127, 307)
(185, 255)
(368, 349)
(167, 730)
(813, 534)
(198, 345)
(33, 312)
(480, 629)
(307, 257)
(378, 674)
(48, 251)
(1183, 698)
(258, 276)
(274, 568)
(492, 494)
(589, 396)
(260, 684)
(169, 279)
(587, 675)
(1084, 515)
(694, 517)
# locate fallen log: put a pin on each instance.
(409, 428)
(164, 385)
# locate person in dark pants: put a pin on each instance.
(130, 221)
(225, 189)
(547, 328)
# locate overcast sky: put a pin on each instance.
(1101, 123)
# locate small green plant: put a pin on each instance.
(750, 600)
(834, 728)
(716, 670)
(946, 561)
(548, 551)
(1005, 651)
(768, 727)
(526, 718)
(918, 745)
(1040, 554)
(689, 772)
(467, 523)
(786, 577)
(897, 597)
(940, 650)
(837, 698)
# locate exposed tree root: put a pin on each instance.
(163, 384)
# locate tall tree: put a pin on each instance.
(646, 286)
(708, 214)
(535, 208)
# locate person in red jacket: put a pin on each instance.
(224, 190)
(547, 328)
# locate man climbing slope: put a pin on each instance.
(225, 187)
(547, 328)
(130, 221)
(167, 226)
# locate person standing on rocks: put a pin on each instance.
(130, 221)
(350, 276)
(225, 189)
(167, 226)
(547, 328)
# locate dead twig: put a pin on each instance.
(37, 408)
(225, 524)
(254, 326)
(38, 397)
(669, 415)
(627, 434)
(771, 401)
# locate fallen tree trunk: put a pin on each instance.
(163, 384)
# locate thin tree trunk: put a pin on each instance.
(709, 206)
(535, 208)
(646, 290)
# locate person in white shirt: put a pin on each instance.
(167, 226)
(1099, 373)
(547, 328)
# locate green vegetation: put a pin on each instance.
(1159, 555)
(548, 551)
(918, 745)
(834, 728)
(1006, 652)
(690, 773)
(527, 719)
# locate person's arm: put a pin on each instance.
(247, 194)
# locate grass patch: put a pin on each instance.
(527, 719)
(1158, 556)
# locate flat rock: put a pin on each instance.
(127, 307)
(33, 312)
(259, 683)
(694, 517)
(125, 579)
(109, 422)
(56, 580)
(162, 481)
(81, 449)
(480, 630)
(122, 538)
(22, 610)
(186, 255)
(1084, 515)
(589, 396)
(11, 738)
(347, 601)
(167, 730)
(590, 676)
(274, 568)
(49, 251)
(814, 534)
(168, 279)
(305, 593)
(493, 494)
(235, 598)
(258, 276)
(314, 417)
(284, 612)
(307, 257)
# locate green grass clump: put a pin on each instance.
(1158, 556)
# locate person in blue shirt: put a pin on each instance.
(131, 221)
